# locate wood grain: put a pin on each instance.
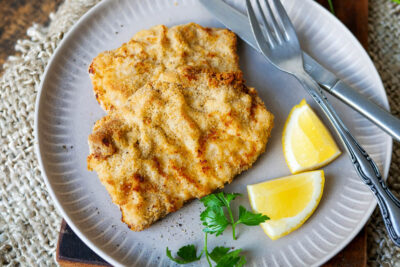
(16, 17)
(353, 14)
(354, 255)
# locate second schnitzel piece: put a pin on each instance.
(159, 54)
(172, 142)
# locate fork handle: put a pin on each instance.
(365, 167)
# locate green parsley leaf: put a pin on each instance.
(218, 253)
(211, 201)
(214, 220)
(227, 198)
(241, 262)
(231, 259)
(249, 218)
(220, 199)
(186, 253)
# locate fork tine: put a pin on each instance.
(258, 34)
(274, 24)
(267, 31)
(288, 27)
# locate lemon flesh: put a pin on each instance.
(288, 201)
(307, 143)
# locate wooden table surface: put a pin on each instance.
(18, 15)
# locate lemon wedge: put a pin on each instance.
(288, 201)
(307, 143)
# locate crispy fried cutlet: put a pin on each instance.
(160, 53)
(175, 141)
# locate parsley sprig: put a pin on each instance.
(215, 222)
(214, 218)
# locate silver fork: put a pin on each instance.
(279, 44)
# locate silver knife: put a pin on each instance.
(238, 23)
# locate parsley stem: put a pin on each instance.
(205, 249)
(232, 222)
(331, 6)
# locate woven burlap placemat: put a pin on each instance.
(29, 222)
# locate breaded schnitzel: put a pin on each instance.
(175, 141)
(158, 53)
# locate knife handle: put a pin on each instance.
(382, 118)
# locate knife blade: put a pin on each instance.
(239, 24)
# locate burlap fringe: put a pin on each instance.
(384, 49)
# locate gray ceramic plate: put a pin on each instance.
(66, 111)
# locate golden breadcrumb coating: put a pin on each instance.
(175, 141)
(181, 121)
(158, 54)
